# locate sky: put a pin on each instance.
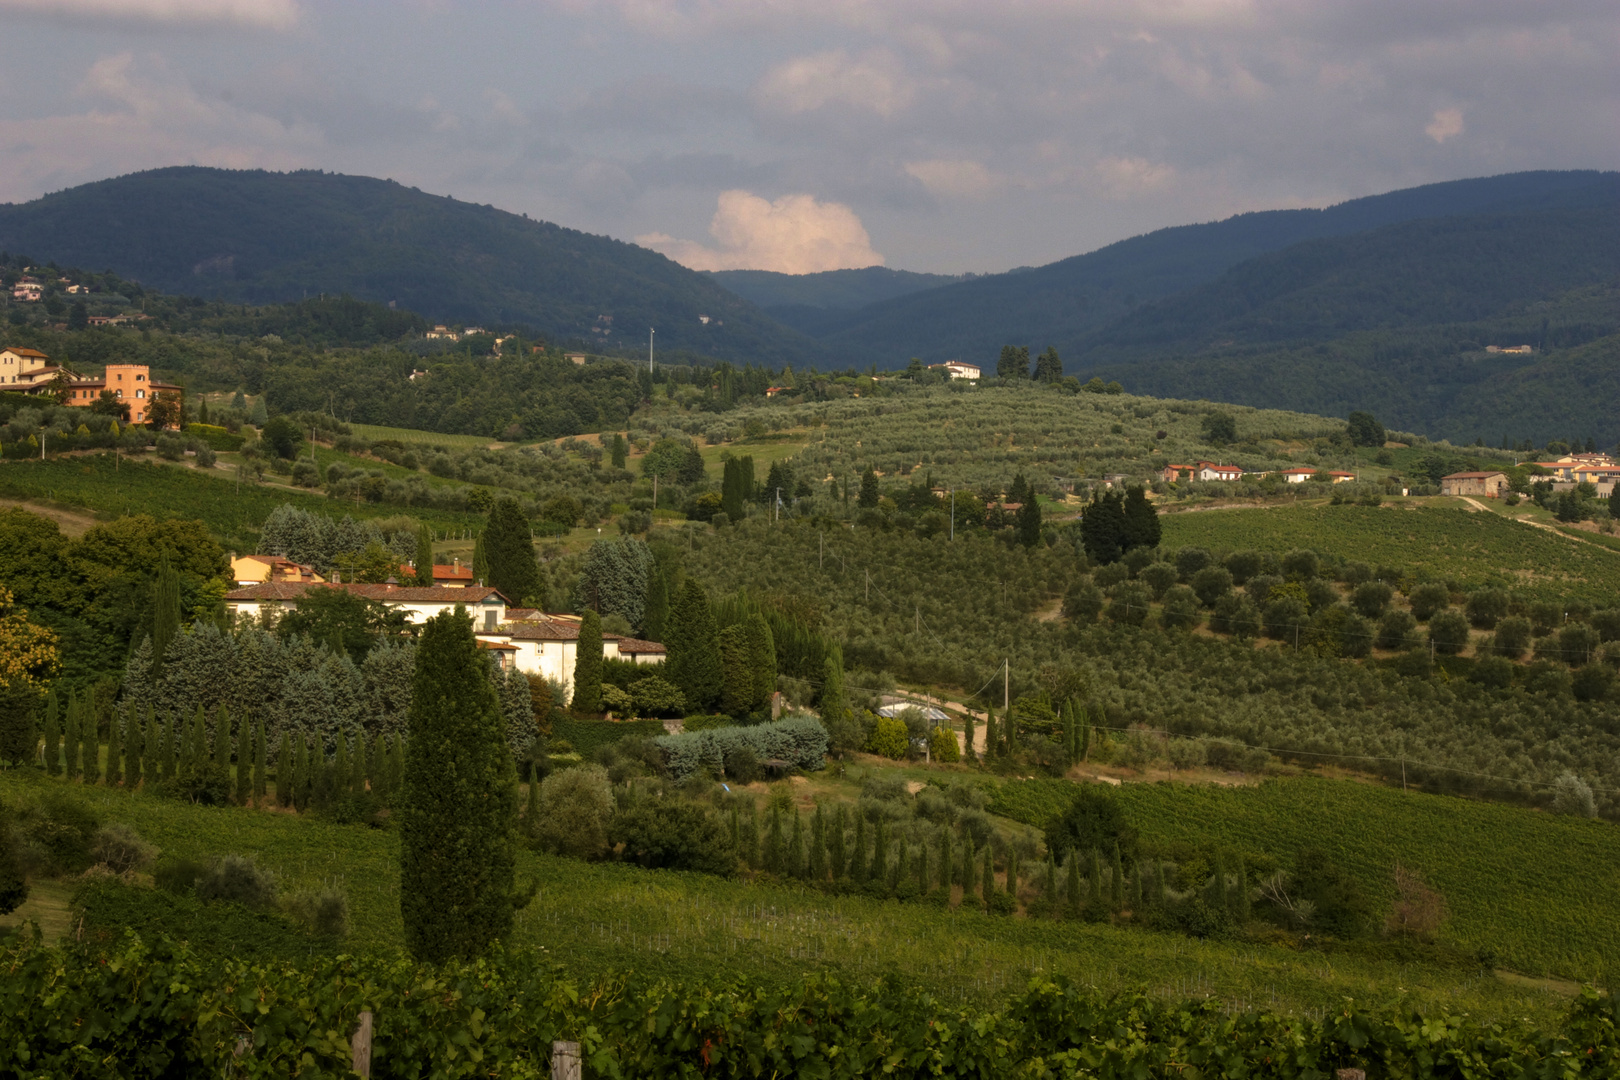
(806, 135)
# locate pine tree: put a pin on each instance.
(70, 738)
(53, 735)
(693, 662)
(424, 556)
(244, 760)
(509, 549)
(857, 863)
(285, 768)
(1076, 901)
(1117, 883)
(588, 665)
(457, 864)
(115, 748)
(835, 847)
(655, 613)
(260, 780)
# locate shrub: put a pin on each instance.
(575, 807)
(324, 913)
(1259, 587)
(1572, 795)
(1242, 565)
(178, 876)
(1181, 607)
(1428, 599)
(1093, 821)
(1577, 643)
(1591, 683)
(889, 737)
(1235, 756)
(1129, 606)
(674, 834)
(1190, 560)
(1370, 598)
(1493, 671)
(1513, 637)
(237, 879)
(58, 832)
(120, 849)
(942, 745)
(1448, 633)
(1485, 607)
(1185, 753)
(656, 696)
(1083, 603)
(1355, 574)
(1158, 577)
(1211, 583)
(1397, 631)
(801, 741)
(742, 764)
(1301, 565)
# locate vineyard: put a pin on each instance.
(1450, 543)
(158, 1011)
(1525, 887)
(597, 918)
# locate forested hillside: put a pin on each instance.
(259, 237)
(820, 303)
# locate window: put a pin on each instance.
(140, 378)
(140, 393)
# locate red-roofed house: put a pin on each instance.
(1208, 470)
(485, 606)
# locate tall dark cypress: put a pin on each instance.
(588, 665)
(424, 556)
(358, 765)
(857, 862)
(761, 659)
(222, 742)
(655, 616)
(459, 807)
(260, 782)
(796, 852)
(303, 761)
(377, 767)
(818, 846)
(947, 869)
(285, 767)
(53, 735)
(693, 662)
(1141, 521)
(165, 611)
(509, 549)
(878, 873)
(732, 496)
(167, 734)
(988, 880)
(1076, 901)
(1117, 889)
(244, 760)
(70, 738)
(90, 739)
(736, 674)
(835, 847)
(115, 748)
(134, 748)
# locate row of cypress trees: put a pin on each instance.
(1001, 736)
(732, 669)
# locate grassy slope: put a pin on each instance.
(1449, 541)
(133, 487)
(1525, 885)
(411, 436)
(604, 917)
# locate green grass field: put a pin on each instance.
(598, 918)
(115, 488)
(374, 432)
(1536, 889)
(1448, 541)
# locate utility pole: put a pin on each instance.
(868, 586)
(1006, 687)
(776, 510)
(821, 550)
(953, 514)
(650, 333)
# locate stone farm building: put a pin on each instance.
(1489, 484)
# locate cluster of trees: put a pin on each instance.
(1114, 524)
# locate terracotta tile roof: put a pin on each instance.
(290, 590)
(539, 630)
(629, 646)
(1470, 475)
(524, 614)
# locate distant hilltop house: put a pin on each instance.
(1489, 484)
(442, 332)
(772, 391)
(957, 370)
(260, 569)
(1204, 470)
(1582, 468)
(1519, 350)
(1300, 475)
(27, 291)
(576, 358)
(29, 371)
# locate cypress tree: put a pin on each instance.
(1217, 884)
(834, 705)
(693, 662)
(588, 665)
(165, 747)
(1136, 887)
(761, 659)
(750, 837)
(457, 865)
(1051, 879)
(244, 760)
(969, 753)
(774, 855)
(1094, 886)
(424, 556)
(531, 813)
(135, 748)
(857, 864)
(947, 873)
(988, 879)
(736, 678)
(115, 749)
(396, 778)
(70, 738)
(1012, 873)
(1240, 896)
(878, 873)
(165, 611)
(924, 882)
(1161, 883)
(260, 781)
(53, 735)
(970, 865)
(900, 872)
(1076, 902)
(509, 549)
(195, 747)
(796, 851)
(342, 769)
(991, 742)
(356, 780)
(836, 852)
(377, 767)
(284, 771)
(480, 565)
(90, 739)
(1117, 883)
(818, 846)
(222, 741)
(655, 615)
(303, 762)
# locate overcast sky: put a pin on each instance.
(803, 135)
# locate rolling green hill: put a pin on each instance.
(259, 237)
(819, 304)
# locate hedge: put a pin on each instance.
(801, 741)
(145, 1011)
(587, 735)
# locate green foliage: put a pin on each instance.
(509, 549)
(800, 741)
(615, 579)
(458, 809)
(573, 812)
(693, 661)
(588, 665)
(675, 835)
(889, 738)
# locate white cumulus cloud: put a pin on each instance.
(1446, 124)
(272, 14)
(795, 234)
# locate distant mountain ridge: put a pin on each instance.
(259, 237)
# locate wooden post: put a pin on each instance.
(565, 1063)
(361, 1043)
(1350, 1074)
